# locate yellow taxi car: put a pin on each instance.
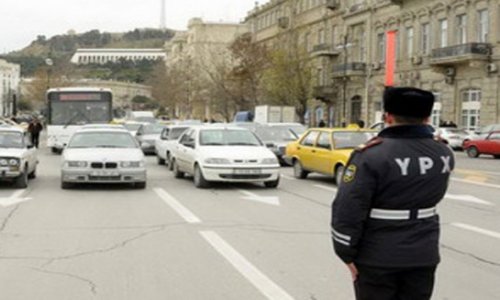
(325, 150)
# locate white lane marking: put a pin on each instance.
(468, 198)
(326, 188)
(185, 213)
(15, 198)
(477, 183)
(288, 177)
(271, 200)
(477, 229)
(265, 285)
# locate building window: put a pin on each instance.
(409, 41)
(483, 25)
(426, 38)
(362, 45)
(307, 44)
(381, 47)
(334, 35)
(321, 36)
(443, 33)
(461, 29)
(471, 108)
(436, 110)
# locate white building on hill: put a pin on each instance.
(103, 56)
(10, 75)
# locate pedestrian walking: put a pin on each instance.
(385, 226)
(321, 124)
(34, 128)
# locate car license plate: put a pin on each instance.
(104, 173)
(247, 171)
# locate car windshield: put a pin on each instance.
(132, 126)
(102, 140)
(228, 137)
(11, 139)
(277, 134)
(349, 140)
(176, 132)
(153, 128)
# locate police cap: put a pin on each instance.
(408, 102)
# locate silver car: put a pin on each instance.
(454, 136)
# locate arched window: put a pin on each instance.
(471, 108)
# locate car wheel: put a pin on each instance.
(338, 175)
(496, 156)
(298, 171)
(140, 185)
(175, 168)
(199, 180)
(272, 184)
(472, 152)
(160, 160)
(22, 181)
(168, 161)
(32, 175)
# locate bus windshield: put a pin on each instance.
(65, 110)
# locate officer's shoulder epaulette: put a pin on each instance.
(371, 143)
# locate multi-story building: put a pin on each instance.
(448, 46)
(200, 52)
(10, 75)
(103, 56)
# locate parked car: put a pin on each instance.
(166, 142)
(453, 136)
(147, 135)
(18, 159)
(325, 150)
(103, 155)
(224, 154)
(488, 145)
(296, 128)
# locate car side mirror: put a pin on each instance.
(189, 144)
(138, 133)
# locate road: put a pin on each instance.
(173, 241)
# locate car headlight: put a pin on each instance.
(132, 164)
(270, 161)
(13, 162)
(217, 161)
(77, 164)
(4, 162)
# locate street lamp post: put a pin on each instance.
(49, 62)
(344, 48)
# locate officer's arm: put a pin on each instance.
(351, 207)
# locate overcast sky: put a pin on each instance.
(21, 21)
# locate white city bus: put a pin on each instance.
(71, 108)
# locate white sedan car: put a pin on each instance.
(103, 156)
(224, 154)
(18, 159)
(168, 139)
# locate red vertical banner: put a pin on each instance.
(390, 57)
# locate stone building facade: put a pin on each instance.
(451, 47)
(200, 51)
(10, 76)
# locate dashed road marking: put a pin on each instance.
(468, 198)
(185, 213)
(271, 200)
(263, 283)
(15, 198)
(477, 229)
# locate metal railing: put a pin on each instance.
(463, 49)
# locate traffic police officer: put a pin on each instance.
(384, 221)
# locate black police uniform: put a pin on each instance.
(384, 216)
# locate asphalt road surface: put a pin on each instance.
(173, 241)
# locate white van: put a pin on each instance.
(142, 116)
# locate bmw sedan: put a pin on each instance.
(103, 156)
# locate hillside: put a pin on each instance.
(61, 47)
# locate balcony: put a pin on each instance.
(349, 69)
(324, 50)
(460, 54)
(323, 92)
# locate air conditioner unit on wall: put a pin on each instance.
(332, 4)
(376, 66)
(450, 72)
(416, 59)
(491, 68)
